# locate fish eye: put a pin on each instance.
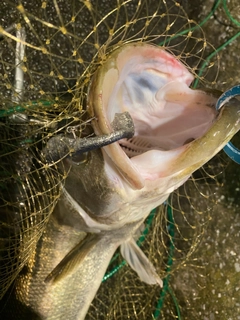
(80, 158)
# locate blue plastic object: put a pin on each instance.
(232, 151)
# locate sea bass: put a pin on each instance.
(107, 197)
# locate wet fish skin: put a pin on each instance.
(113, 206)
(35, 299)
(117, 205)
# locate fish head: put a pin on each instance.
(153, 86)
(177, 130)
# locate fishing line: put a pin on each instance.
(166, 280)
(166, 288)
(20, 108)
(139, 242)
(231, 151)
(199, 25)
(207, 59)
(229, 14)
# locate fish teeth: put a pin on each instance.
(135, 146)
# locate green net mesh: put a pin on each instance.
(65, 43)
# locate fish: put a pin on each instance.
(108, 195)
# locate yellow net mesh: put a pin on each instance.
(174, 234)
(65, 43)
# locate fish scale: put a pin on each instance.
(52, 88)
(120, 209)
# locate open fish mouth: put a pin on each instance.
(153, 86)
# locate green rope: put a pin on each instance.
(221, 47)
(139, 242)
(214, 8)
(166, 289)
(230, 17)
(175, 303)
(115, 270)
(169, 263)
(20, 108)
(206, 62)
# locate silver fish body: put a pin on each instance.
(109, 196)
(33, 298)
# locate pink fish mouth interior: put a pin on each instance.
(167, 122)
(153, 86)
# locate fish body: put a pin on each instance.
(106, 199)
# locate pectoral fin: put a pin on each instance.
(73, 258)
(140, 263)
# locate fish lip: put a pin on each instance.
(99, 97)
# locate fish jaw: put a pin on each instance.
(177, 129)
(153, 86)
(134, 176)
